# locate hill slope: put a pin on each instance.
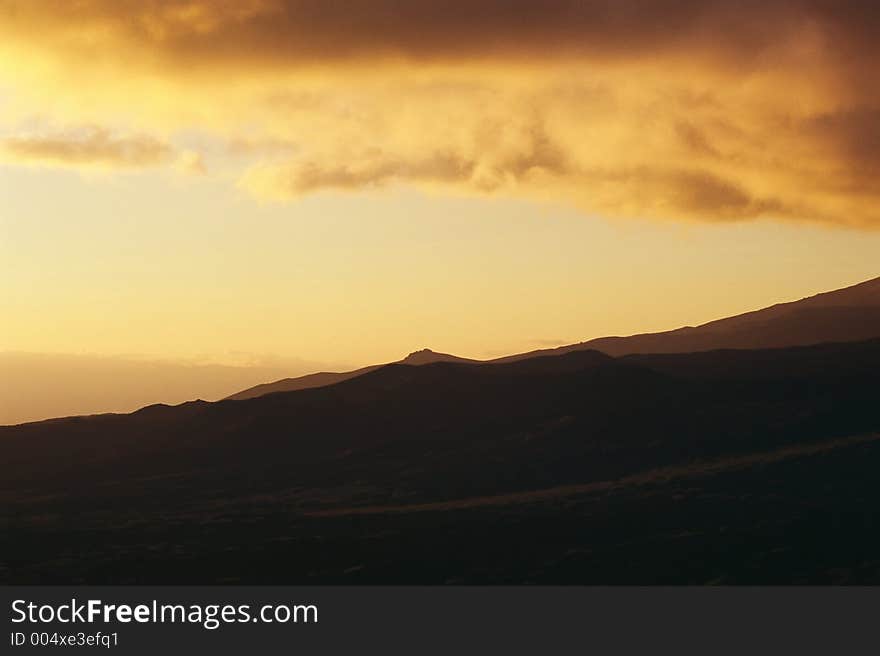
(576, 468)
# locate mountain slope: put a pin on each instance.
(845, 315)
(309, 381)
(456, 428)
(578, 468)
(851, 314)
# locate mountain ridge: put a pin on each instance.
(847, 314)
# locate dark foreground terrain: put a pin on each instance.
(715, 467)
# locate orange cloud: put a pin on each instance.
(708, 110)
(746, 33)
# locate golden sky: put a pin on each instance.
(226, 181)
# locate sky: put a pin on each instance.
(273, 187)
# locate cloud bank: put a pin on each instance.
(672, 109)
(90, 147)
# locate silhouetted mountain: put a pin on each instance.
(425, 356)
(576, 468)
(826, 360)
(309, 381)
(846, 315)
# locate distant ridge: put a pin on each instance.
(427, 356)
(850, 314)
(324, 378)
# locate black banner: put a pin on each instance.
(456, 620)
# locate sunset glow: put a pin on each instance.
(282, 185)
